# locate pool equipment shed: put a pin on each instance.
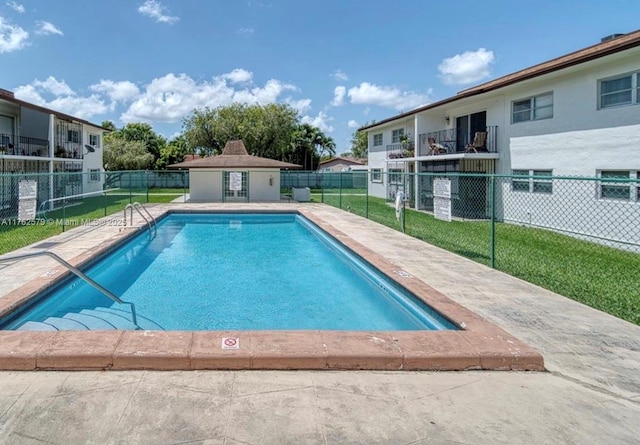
(234, 176)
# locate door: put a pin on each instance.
(466, 127)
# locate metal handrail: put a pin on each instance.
(80, 275)
(153, 220)
(136, 206)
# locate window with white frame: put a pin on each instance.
(376, 175)
(620, 90)
(377, 140)
(395, 175)
(94, 140)
(532, 181)
(627, 191)
(533, 108)
(94, 174)
(396, 135)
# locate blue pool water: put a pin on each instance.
(233, 271)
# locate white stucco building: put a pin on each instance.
(575, 115)
(234, 176)
(34, 139)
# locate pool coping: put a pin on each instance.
(477, 345)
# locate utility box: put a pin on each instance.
(302, 194)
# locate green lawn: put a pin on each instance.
(596, 275)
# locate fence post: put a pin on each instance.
(404, 213)
(322, 187)
(130, 195)
(492, 191)
(146, 178)
(340, 188)
(366, 198)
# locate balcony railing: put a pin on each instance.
(456, 140)
(400, 150)
(23, 146)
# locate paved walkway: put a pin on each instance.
(591, 394)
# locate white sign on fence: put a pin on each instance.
(442, 199)
(27, 197)
(235, 181)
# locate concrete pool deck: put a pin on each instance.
(591, 393)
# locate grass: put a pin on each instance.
(13, 236)
(601, 277)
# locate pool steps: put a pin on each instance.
(90, 319)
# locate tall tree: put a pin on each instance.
(265, 129)
(360, 143)
(172, 153)
(109, 125)
(143, 132)
(120, 154)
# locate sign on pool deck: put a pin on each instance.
(442, 199)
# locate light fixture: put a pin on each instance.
(447, 120)
(270, 180)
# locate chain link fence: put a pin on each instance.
(34, 206)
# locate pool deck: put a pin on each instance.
(590, 394)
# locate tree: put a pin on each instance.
(109, 125)
(307, 146)
(360, 143)
(265, 129)
(143, 132)
(120, 154)
(172, 153)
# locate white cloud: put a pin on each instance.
(65, 99)
(172, 97)
(468, 67)
(353, 124)
(238, 76)
(12, 37)
(53, 86)
(338, 96)
(245, 31)
(386, 96)
(339, 76)
(16, 7)
(320, 121)
(45, 28)
(118, 92)
(302, 105)
(156, 10)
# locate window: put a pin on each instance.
(395, 176)
(94, 140)
(73, 136)
(376, 175)
(94, 174)
(533, 108)
(396, 135)
(532, 181)
(377, 139)
(622, 90)
(520, 184)
(619, 190)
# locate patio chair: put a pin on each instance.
(479, 143)
(435, 148)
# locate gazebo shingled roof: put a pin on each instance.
(234, 155)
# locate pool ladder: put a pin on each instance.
(151, 221)
(106, 292)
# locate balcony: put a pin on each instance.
(23, 146)
(400, 150)
(455, 140)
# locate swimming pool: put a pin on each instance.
(233, 271)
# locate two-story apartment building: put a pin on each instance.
(34, 139)
(575, 115)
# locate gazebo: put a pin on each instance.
(234, 176)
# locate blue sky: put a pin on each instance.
(341, 63)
